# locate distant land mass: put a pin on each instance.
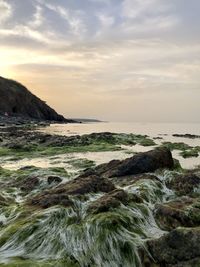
(17, 100)
(86, 120)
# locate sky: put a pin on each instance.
(115, 60)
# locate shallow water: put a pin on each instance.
(153, 130)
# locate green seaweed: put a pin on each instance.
(176, 146)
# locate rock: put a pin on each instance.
(191, 136)
(184, 184)
(176, 248)
(131, 179)
(140, 163)
(91, 184)
(78, 186)
(46, 200)
(190, 263)
(54, 179)
(109, 201)
(3, 201)
(29, 184)
(184, 211)
(16, 100)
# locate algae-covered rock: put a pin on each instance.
(54, 179)
(175, 248)
(132, 179)
(113, 200)
(78, 186)
(184, 184)
(49, 199)
(29, 184)
(183, 211)
(109, 201)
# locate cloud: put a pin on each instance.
(137, 8)
(5, 11)
(135, 50)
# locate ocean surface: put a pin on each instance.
(153, 130)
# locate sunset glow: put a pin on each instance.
(105, 59)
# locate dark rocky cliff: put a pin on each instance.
(17, 100)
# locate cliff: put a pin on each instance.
(17, 100)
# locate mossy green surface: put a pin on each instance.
(176, 146)
(192, 153)
(81, 163)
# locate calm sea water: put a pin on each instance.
(151, 129)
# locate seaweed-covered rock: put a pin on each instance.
(184, 211)
(184, 184)
(131, 179)
(140, 163)
(108, 201)
(179, 248)
(4, 201)
(54, 179)
(49, 199)
(29, 184)
(78, 186)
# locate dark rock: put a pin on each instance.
(190, 263)
(16, 100)
(3, 201)
(46, 200)
(141, 163)
(78, 186)
(108, 201)
(178, 247)
(181, 212)
(29, 184)
(54, 179)
(131, 179)
(184, 184)
(191, 136)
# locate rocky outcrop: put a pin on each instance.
(184, 184)
(150, 161)
(113, 200)
(109, 201)
(180, 247)
(183, 211)
(79, 186)
(16, 100)
(29, 184)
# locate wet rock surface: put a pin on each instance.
(29, 184)
(109, 201)
(184, 184)
(54, 179)
(184, 212)
(177, 248)
(78, 186)
(140, 163)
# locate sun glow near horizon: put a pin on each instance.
(89, 59)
